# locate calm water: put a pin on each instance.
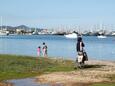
(30, 82)
(58, 46)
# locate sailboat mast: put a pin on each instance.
(1, 22)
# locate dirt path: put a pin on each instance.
(95, 71)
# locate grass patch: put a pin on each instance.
(13, 67)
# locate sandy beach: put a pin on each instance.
(95, 71)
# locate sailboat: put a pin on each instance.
(35, 32)
(3, 32)
(101, 34)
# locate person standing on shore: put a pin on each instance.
(38, 53)
(80, 44)
(44, 49)
(80, 48)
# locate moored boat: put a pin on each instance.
(72, 35)
(2, 32)
(101, 36)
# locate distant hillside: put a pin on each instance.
(17, 27)
(23, 27)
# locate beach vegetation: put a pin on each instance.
(14, 66)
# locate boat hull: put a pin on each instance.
(102, 37)
(73, 35)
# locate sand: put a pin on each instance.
(97, 73)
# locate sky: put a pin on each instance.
(55, 13)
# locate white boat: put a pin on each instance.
(2, 32)
(113, 34)
(101, 36)
(101, 32)
(72, 35)
(35, 32)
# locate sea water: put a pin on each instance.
(58, 46)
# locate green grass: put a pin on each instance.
(13, 67)
(103, 84)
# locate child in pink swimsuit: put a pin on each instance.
(38, 54)
(39, 51)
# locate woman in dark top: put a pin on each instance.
(79, 47)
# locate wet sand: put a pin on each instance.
(95, 71)
(6, 84)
